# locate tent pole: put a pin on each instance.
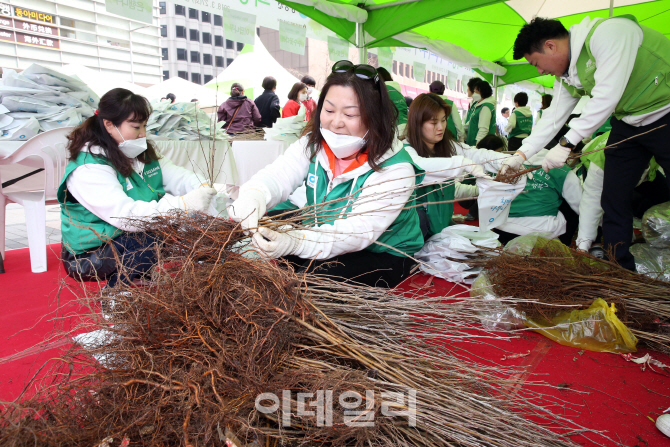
(611, 7)
(360, 43)
(495, 94)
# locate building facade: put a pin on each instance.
(55, 33)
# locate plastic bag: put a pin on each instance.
(651, 261)
(494, 314)
(494, 201)
(656, 226)
(595, 329)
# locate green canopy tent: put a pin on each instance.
(477, 34)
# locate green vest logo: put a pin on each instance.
(590, 65)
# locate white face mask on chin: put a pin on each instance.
(132, 148)
(302, 97)
(476, 97)
(343, 146)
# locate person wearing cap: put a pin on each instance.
(625, 68)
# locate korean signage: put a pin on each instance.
(7, 35)
(4, 21)
(33, 15)
(141, 10)
(35, 28)
(292, 37)
(5, 9)
(37, 41)
(239, 26)
(338, 49)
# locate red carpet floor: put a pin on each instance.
(600, 391)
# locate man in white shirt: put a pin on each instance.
(625, 68)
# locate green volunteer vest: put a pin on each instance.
(524, 124)
(539, 114)
(546, 196)
(400, 103)
(648, 88)
(473, 128)
(404, 234)
(82, 230)
(599, 157)
(606, 127)
(450, 121)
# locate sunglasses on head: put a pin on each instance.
(363, 71)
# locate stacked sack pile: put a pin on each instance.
(40, 99)
(183, 121)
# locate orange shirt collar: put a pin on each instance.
(359, 161)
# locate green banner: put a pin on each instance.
(133, 9)
(419, 71)
(338, 49)
(239, 26)
(451, 80)
(385, 58)
(292, 37)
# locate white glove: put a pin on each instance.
(276, 245)
(198, 199)
(556, 157)
(475, 170)
(512, 163)
(220, 188)
(248, 208)
(584, 244)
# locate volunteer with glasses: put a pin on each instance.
(360, 179)
(114, 179)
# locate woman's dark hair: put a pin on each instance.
(117, 106)
(269, 83)
(236, 90)
(171, 97)
(546, 101)
(308, 80)
(408, 101)
(437, 87)
(426, 107)
(472, 83)
(521, 98)
(384, 74)
(293, 94)
(484, 89)
(492, 142)
(378, 115)
(533, 35)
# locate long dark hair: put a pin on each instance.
(426, 107)
(378, 115)
(117, 106)
(297, 87)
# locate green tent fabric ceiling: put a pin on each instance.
(485, 28)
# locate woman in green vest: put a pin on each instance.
(114, 175)
(546, 103)
(396, 97)
(472, 82)
(520, 122)
(482, 120)
(359, 180)
(427, 134)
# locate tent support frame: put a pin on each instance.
(360, 43)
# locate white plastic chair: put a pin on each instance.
(50, 147)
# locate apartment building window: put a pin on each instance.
(166, 75)
(240, 45)
(218, 20)
(195, 77)
(194, 35)
(229, 61)
(183, 74)
(181, 54)
(206, 17)
(230, 44)
(208, 78)
(395, 67)
(195, 56)
(164, 51)
(163, 30)
(218, 41)
(179, 10)
(219, 61)
(407, 71)
(162, 9)
(192, 13)
(206, 38)
(207, 59)
(181, 31)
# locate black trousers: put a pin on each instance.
(514, 143)
(365, 267)
(624, 166)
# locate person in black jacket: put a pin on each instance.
(268, 102)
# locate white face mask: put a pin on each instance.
(302, 97)
(343, 146)
(476, 97)
(310, 90)
(132, 148)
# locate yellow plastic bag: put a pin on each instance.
(595, 329)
